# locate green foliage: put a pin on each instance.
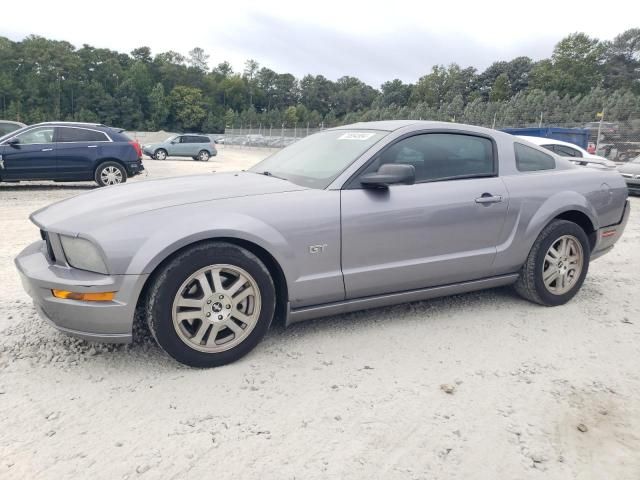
(43, 79)
(501, 89)
(186, 107)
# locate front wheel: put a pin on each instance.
(160, 154)
(203, 156)
(110, 173)
(556, 266)
(211, 304)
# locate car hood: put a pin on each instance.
(153, 145)
(633, 168)
(98, 207)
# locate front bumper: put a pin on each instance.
(633, 185)
(110, 322)
(608, 236)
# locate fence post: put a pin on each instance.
(540, 122)
(601, 114)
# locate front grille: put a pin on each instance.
(45, 237)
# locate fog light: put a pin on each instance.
(87, 297)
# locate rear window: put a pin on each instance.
(531, 160)
(71, 134)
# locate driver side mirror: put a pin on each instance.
(390, 174)
(13, 141)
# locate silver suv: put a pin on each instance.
(198, 147)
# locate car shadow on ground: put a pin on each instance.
(144, 354)
(46, 186)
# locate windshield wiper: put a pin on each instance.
(269, 174)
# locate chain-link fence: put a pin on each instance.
(619, 140)
(268, 136)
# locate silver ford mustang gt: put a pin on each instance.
(356, 217)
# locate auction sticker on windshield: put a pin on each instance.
(356, 136)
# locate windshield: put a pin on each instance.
(315, 161)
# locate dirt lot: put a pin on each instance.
(354, 396)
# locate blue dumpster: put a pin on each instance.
(577, 136)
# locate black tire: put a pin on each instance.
(160, 154)
(109, 166)
(167, 282)
(530, 284)
(195, 158)
(203, 155)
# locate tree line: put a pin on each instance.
(43, 79)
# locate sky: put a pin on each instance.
(374, 41)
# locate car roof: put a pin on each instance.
(549, 141)
(13, 122)
(392, 125)
(72, 124)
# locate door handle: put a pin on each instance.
(487, 198)
(92, 146)
(47, 149)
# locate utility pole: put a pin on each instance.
(540, 122)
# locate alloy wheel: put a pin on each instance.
(111, 175)
(216, 308)
(562, 265)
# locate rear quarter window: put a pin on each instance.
(531, 160)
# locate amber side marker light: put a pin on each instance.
(87, 297)
(609, 233)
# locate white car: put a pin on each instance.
(571, 152)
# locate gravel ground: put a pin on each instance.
(483, 385)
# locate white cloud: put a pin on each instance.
(372, 40)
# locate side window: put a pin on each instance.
(440, 156)
(37, 135)
(203, 140)
(71, 134)
(551, 148)
(565, 151)
(530, 160)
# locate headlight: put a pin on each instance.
(82, 254)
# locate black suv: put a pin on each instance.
(69, 152)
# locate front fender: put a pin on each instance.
(138, 243)
(161, 233)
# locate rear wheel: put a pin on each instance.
(556, 266)
(110, 173)
(203, 156)
(160, 154)
(211, 304)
